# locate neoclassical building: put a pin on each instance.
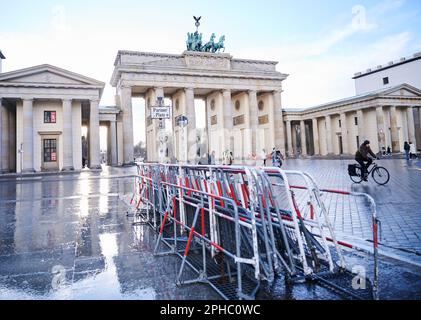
(243, 101)
(50, 117)
(43, 110)
(386, 117)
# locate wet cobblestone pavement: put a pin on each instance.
(68, 237)
(398, 202)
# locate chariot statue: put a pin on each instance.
(194, 41)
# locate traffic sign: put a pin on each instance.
(160, 112)
(181, 121)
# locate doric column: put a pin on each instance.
(303, 138)
(411, 125)
(94, 146)
(254, 122)
(1, 135)
(344, 133)
(381, 132)
(126, 106)
(191, 127)
(360, 120)
(159, 92)
(28, 135)
(289, 139)
(67, 135)
(279, 123)
(227, 112)
(316, 137)
(4, 141)
(113, 142)
(329, 145)
(394, 134)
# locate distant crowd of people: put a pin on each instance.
(276, 158)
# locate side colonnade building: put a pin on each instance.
(385, 117)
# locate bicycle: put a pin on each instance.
(379, 174)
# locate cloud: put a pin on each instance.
(387, 6)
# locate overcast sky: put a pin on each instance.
(320, 44)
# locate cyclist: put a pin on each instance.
(362, 157)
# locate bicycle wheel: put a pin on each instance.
(359, 177)
(380, 175)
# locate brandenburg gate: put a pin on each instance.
(242, 98)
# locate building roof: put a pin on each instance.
(389, 65)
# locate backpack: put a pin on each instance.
(352, 170)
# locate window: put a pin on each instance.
(358, 142)
(50, 150)
(212, 104)
(386, 80)
(340, 124)
(261, 105)
(49, 117)
(356, 121)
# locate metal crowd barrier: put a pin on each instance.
(236, 226)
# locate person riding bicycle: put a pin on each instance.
(362, 157)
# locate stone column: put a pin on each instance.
(360, 119)
(94, 146)
(254, 121)
(1, 135)
(329, 145)
(159, 92)
(316, 137)
(303, 138)
(191, 127)
(28, 135)
(126, 106)
(278, 123)
(228, 125)
(4, 128)
(344, 133)
(113, 142)
(394, 134)
(381, 132)
(289, 139)
(12, 140)
(67, 135)
(411, 125)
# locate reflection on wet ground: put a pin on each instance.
(68, 237)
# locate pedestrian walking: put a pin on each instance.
(412, 150)
(263, 156)
(212, 158)
(406, 148)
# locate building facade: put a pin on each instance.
(50, 117)
(405, 70)
(243, 102)
(43, 109)
(385, 117)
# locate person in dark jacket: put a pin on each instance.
(362, 157)
(407, 148)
